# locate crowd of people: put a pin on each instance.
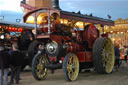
(118, 59)
(13, 60)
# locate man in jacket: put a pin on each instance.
(16, 63)
(4, 65)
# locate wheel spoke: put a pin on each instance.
(69, 67)
(70, 59)
(108, 56)
(39, 71)
(72, 67)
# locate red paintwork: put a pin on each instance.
(26, 6)
(56, 38)
(89, 56)
(81, 56)
(62, 58)
(90, 35)
(53, 58)
(75, 47)
(71, 46)
(43, 36)
(85, 56)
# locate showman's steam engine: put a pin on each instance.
(69, 41)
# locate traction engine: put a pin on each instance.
(61, 44)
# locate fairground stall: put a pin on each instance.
(118, 33)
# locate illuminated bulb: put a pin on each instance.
(9, 28)
(113, 39)
(2, 36)
(111, 31)
(61, 21)
(106, 28)
(60, 61)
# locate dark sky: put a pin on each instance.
(100, 8)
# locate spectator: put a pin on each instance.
(117, 56)
(4, 65)
(125, 53)
(16, 63)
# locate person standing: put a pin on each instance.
(117, 56)
(4, 65)
(16, 63)
(125, 54)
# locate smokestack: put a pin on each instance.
(23, 1)
(55, 4)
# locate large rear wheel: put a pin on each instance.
(38, 67)
(71, 67)
(103, 55)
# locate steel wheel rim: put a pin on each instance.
(108, 56)
(40, 66)
(72, 67)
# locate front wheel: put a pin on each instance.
(38, 67)
(71, 67)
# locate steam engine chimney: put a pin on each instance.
(40, 4)
(55, 4)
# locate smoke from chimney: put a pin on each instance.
(55, 4)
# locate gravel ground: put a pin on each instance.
(85, 78)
